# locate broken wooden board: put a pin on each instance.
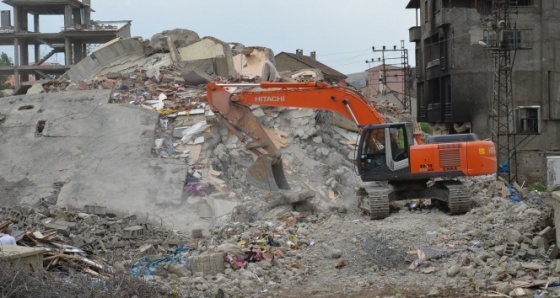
(533, 266)
(529, 284)
(5, 224)
(214, 172)
(194, 152)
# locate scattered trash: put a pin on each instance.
(146, 266)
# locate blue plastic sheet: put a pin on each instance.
(145, 266)
(513, 194)
(503, 168)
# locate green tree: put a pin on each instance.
(5, 61)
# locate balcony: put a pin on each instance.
(415, 34)
(433, 63)
(422, 114)
(448, 112)
(434, 112)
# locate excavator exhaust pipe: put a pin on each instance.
(268, 174)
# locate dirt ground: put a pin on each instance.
(412, 253)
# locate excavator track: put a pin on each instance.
(374, 202)
(458, 200)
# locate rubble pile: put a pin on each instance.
(82, 240)
(501, 246)
(312, 237)
(520, 254)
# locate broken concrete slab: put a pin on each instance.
(26, 258)
(101, 59)
(101, 155)
(36, 88)
(210, 49)
(179, 37)
(209, 263)
(97, 210)
(249, 62)
(196, 77)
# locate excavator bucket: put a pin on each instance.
(268, 174)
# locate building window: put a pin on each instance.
(525, 3)
(528, 120)
(426, 12)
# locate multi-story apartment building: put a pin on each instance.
(455, 73)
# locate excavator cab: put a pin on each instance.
(383, 151)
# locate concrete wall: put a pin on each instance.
(470, 91)
(531, 166)
(22, 258)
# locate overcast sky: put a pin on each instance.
(341, 32)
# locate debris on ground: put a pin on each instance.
(309, 242)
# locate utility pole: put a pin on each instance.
(407, 84)
(405, 76)
(502, 40)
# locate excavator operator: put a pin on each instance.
(398, 148)
(375, 151)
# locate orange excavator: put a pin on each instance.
(390, 152)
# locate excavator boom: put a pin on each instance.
(311, 95)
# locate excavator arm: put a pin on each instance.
(231, 103)
(312, 95)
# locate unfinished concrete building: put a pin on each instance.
(455, 74)
(77, 32)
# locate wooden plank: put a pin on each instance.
(5, 224)
(214, 172)
(38, 235)
(499, 294)
(282, 133)
(277, 138)
(533, 266)
(194, 152)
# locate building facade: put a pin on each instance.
(455, 74)
(383, 79)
